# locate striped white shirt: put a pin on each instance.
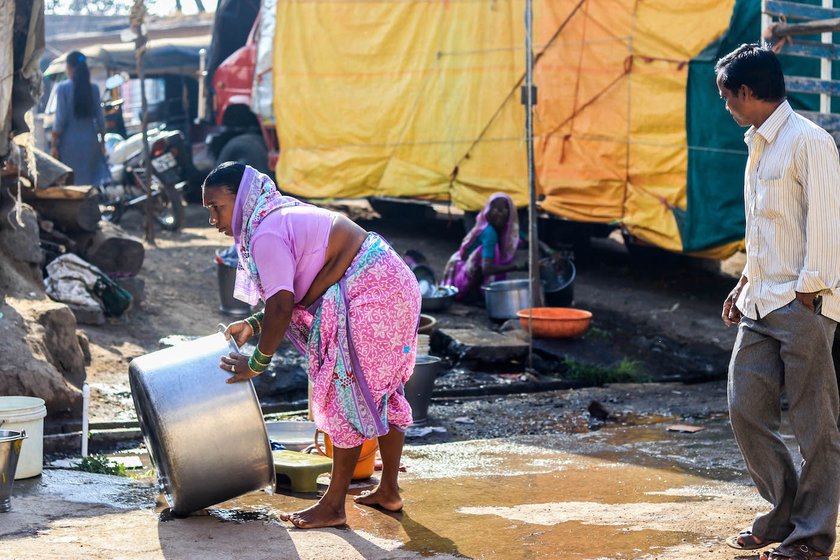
(792, 199)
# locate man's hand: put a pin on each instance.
(807, 299)
(731, 315)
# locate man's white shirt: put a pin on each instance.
(792, 200)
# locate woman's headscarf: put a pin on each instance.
(508, 238)
(256, 198)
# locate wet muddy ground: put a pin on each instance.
(561, 478)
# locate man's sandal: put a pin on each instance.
(745, 540)
(796, 551)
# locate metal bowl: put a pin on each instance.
(295, 436)
(440, 299)
(206, 437)
(425, 278)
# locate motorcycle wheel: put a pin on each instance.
(169, 206)
(112, 210)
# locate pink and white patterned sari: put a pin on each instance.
(361, 341)
(360, 338)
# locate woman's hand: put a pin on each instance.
(240, 331)
(237, 364)
(54, 151)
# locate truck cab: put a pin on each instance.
(241, 135)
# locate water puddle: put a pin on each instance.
(525, 500)
(243, 516)
(631, 489)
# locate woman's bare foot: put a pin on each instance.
(319, 515)
(387, 499)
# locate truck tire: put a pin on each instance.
(248, 149)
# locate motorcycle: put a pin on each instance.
(129, 187)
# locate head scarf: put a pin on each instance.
(508, 237)
(256, 198)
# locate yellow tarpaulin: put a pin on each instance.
(421, 99)
(389, 98)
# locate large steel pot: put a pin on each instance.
(419, 387)
(206, 438)
(505, 297)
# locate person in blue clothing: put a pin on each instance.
(78, 130)
(488, 251)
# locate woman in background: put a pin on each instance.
(78, 130)
(488, 250)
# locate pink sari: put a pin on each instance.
(463, 270)
(360, 338)
(360, 341)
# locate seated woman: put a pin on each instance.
(346, 299)
(488, 250)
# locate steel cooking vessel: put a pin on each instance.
(505, 297)
(206, 438)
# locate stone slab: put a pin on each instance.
(478, 344)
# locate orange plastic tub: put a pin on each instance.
(555, 322)
(367, 458)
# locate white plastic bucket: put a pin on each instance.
(26, 413)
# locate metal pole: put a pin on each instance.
(529, 99)
(202, 95)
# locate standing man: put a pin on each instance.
(786, 305)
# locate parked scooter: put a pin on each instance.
(129, 186)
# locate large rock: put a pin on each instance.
(36, 351)
(61, 344)
(26, 367)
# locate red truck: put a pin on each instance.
(243, 134)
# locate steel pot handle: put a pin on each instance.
(232, 343)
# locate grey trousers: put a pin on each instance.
(790, 348)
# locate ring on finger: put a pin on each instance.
(233, 368)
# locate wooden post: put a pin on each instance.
(137, 17)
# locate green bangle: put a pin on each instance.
(255, 366)
(261, 358)
(254, 323)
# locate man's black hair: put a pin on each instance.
(228, 174)
(756, 67)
